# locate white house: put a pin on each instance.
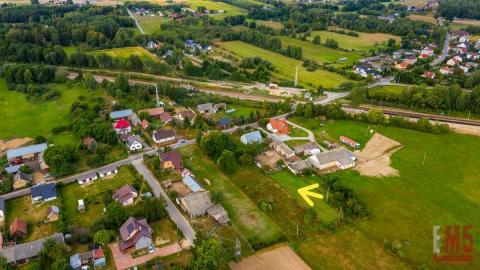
(108, 171)
(464, 68)
(445, 71)
(133, 144)
(86, 178)
(340, 158)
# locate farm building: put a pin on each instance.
(299, 166)
(349, 142)
(44, 193)
(340, 158)
(282, 149)
(153, 112)
(196, 203)
(120, 114)
(18, 155)
(307, 149)
(251, 137)
(219, 214)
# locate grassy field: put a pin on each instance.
(92, 196)
(319, 53)
(297, 132)
(272, 24)
(364, 41)
(285, 65)
(20, 115)
(33, 214)
(151, 24)
(230, 10)
(247, 219)
(426, 18)
(239, 112)
(127, 52)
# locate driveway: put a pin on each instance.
(125, 260)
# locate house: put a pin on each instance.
(428, 51)
(90, 143)
(278, 126)
(2, 211)
(299, 166)
(349, 142)
(191, 184)
(133, 143)
(171, 160)
(21, 180)
(13, 169)
(195, 203)
(122, 126)
(465, 69)
(153, 112)
(99, 259)
(401, 66)
(84, 259)
(224, 123)
(206, 108)
(53, 213)
(18, 229)
(18, 155)
(44, 193)
(135, 233)
(219, 214)
(452, 62)
(282, 149)
(186, 114)
(410, 60)
(43, 165)
(186, 172)
(220, 106)
(251, 137)
(125, 195)
(462, 45)
(108, 171)
(429, 75)
(307, 149)
(340, 158)
(165, 117)
(163, 136)
(144, 124)
(81, 206)
(445, 70)
(22, 253)
(121, 114)
(86, 178)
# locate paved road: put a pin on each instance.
(443, 56)
(136, 22)
(331, 96)
(172, 210)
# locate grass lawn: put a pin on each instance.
(364, 41)
(297, 132)
(239, 112)
(33, 214)
(21, 118)
(248, 220)
(426, 18)
(272, 24)
(285, 65)
(92, 196)
(165, 230)
(230, 10)
(320, 53)
(126, 52)
(151, 24)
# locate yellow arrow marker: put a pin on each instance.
(306, 193)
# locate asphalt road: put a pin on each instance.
(443, 56)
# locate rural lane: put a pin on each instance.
(136, 22)
(172, 210)
(443, 56)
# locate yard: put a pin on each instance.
(285, 65)
(19, 115)
(33, 214)
(92, 195)
(364, 41)
(319, 53)
(151, 24)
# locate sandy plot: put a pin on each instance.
(281, 258)
(374, 159)
(14, 143)
(269, 158)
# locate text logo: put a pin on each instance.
(453, 243)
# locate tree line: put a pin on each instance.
(469, 9)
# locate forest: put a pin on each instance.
(468, 9)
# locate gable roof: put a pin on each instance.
(26, 150)
(18, 226)
(46, 191)
(107, 169)
(144, 123)
(121, 114)
(254, 136)
(122, 123)
(131, 225)
(174, 157)
(165, 117)
(124, 193)
(188, 113)
(205, 107)
(342, 155)
(191, 183)
(23, 176)
(160, 134)
(197, 203)
(13, 169)
(279, 124)
(306, 147)
(131, 140)
(28, 250)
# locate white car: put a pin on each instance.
(151, 248)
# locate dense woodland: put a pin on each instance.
(469, 9)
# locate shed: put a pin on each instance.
(121, 114)
(219, 214)
(191, 183)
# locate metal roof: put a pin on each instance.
(191, 183)
(22, 151)
(28, 250)
(253, 136)
(120, 114)
(46, 191)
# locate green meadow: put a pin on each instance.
(364, 41)
(230, 10)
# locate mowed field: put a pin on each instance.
(444, 190)
(285, 65)
(230, 10)
(21, 118)
(151, 24)
(426, 18)
(127, 52)
(364, 41)
(320, 53)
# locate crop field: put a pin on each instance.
(272, 24)
(230, 10)
(285, 65)
(321, 54)
(364, 41)
(19, 115)
(440, 191)
(127, 52)
(247, 219)
(151, 24)
(426, 18)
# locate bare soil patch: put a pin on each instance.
(374, 159)
(281, 258)
(269, 158)
(14, 143)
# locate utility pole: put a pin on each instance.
(326, 199)
(296, 77)
(424, 158)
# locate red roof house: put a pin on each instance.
(144, 124)
(165, 117)
(429, 75)
(122, 126)
(278, 126)
(349, 142)
(18, 228)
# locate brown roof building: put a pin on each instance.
(171, 160)
(153, 112)
(18, 228)
(125, 195)
(135, 233)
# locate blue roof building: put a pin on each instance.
(191, 183)
(13, 169)
(224, 122)
(27, 150)
(251, 137)
(121, 114)
(44, 192)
